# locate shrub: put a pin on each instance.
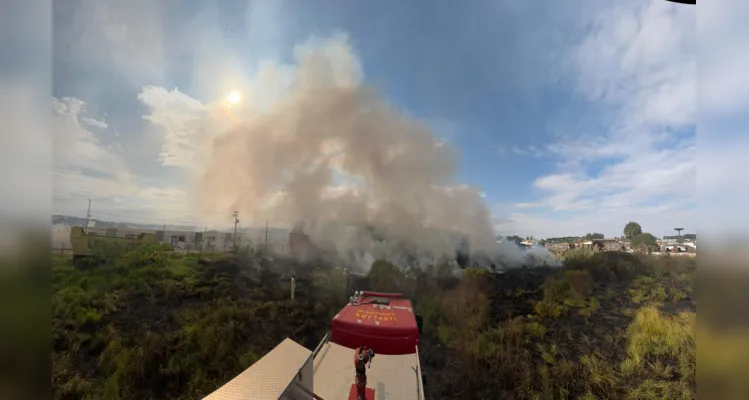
(591, 309)
(535, 329)
(624, 270)
(608, 266)
(476, 277)
(601, 376)
(503, 341)
(385, 277)
(475, 272)
(429, 308)
(645, 290)
(577, 258)
(556, 289)
(332, 283)
(655, 389)
(580, 281)
(570, 289)
(467, 306)
(653, 335)
(676, 295)
(548, 309)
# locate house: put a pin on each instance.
(559, 248)
(116, 232)
(604, 245)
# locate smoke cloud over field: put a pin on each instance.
(332, 153)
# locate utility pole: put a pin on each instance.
(88, 215)
(236, 221)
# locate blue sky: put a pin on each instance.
(570, 119)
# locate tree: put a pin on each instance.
(632, 229)
(385, 277)
(332, 283)
(644, 240)
(514, 238)
(590, 236)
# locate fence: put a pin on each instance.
(186, 248)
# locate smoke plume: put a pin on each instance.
(333, 154)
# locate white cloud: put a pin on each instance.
(75, 145)
(724, 84)
(518, 151)
(185, 123)
(86, 168)
(636, 59)
(530, 150)
(128, 36)
(723, 139)
(639, 61)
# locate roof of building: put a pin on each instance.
(384, 322)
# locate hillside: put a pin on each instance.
(149, 324)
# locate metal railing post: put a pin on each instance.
(311, 357)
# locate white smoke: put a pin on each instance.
(394, 179)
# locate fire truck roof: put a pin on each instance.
(390, 376)
(384, 322)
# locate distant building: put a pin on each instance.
(610, 244)
(559, 247)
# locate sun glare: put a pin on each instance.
(234, 97)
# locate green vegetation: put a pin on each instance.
(585, 336)
(643, 240)
(632, 229)
(146, 323)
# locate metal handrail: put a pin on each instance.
(420, 383)
(319, 345)
(311, 357)
(307, 391)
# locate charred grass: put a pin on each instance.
(139, 326)
(148, 324)
(606, 326)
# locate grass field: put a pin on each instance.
(149, 324)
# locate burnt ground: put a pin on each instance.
(246, 299)
(514, 294)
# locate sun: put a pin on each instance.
(234, 97)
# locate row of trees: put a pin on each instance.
(632, 232)
(687, 236)
(639, 239)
